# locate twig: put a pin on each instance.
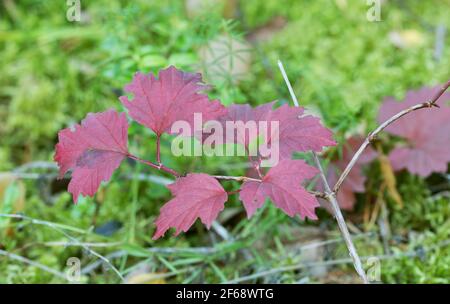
(373, 134)
(245, 178)
(288, 83)
(331, 197)
(222, 231)
(160, 166)
(440, 42)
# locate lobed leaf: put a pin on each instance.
(282, 185)
(92, 150)
(196, 195)
(173, 96)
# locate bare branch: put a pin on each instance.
(288, 83)
(331, 197)
(440, 93)
(250, 179)
(373, 134)
(159, 166)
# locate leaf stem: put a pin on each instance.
(160, 167)
(237, 178)
(233, 192)
(158, 149)
(331, 197)
(255, 165)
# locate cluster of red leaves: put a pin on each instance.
(94, 149)
(427, 133)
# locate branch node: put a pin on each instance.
(431, 104)
(328, 195)
(371, 137)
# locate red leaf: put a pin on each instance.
(282, 185)
(93, 150)
(197, 195)
(173, 96)
(427, 132)
(300, 133)
(296, 132)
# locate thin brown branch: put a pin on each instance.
(374, 133)
(331, 197)
(440, 92)
(176, 174)
(245, 179)
(160, 166)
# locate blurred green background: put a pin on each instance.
(54, 71)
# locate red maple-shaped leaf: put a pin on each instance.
(236, 113)
(299, 133)
(427, 133)
(294, 132)
(354, 183)
(92, 150)
(173, 96)
(282, 184)
(196, 195)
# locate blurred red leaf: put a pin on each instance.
(427, 132)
